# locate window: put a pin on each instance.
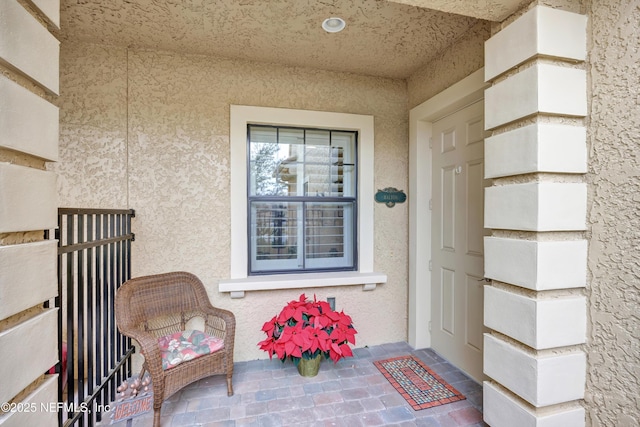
(302, 196)
(240, 280)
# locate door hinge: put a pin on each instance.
(430, 142)
(430, 204)
(430, 265)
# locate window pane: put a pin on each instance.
(275, 235)
(317, 138)
(263, 153)
(317, 171)
(329, 235)
(291, 160)
(343, 161)
(316, 167)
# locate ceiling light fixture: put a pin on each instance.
(333, 24)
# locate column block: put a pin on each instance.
(28, 46)
(502, 410)
(540, 31)
(28, 123)
(538, 323)
(537, 206)
(28, 199)
(541, 147)
(540, 380)
(44, 395)
(536, 265)
(28, 273)
(27, 350)
(541, 88)
(50, 9)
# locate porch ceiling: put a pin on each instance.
(491, 10)
(382, 38)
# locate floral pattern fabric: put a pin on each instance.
(186, 345)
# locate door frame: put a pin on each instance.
(421, 118)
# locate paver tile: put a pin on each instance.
(350, 393)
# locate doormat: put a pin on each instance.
(420, 386)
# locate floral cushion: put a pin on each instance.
(186, 345)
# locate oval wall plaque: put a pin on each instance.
(390, 196)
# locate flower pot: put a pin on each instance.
(309, 367)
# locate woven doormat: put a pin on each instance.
(418, 384)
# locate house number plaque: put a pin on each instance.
(390, 196)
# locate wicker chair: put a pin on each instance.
(155, 306)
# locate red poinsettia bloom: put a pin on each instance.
(305, 329)
(319, 339)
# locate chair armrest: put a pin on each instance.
(150, 350)
(214, 315)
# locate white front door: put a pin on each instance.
(457, 238)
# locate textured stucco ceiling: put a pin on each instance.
(382, 38)
(491, 10)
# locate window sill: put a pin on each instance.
(237, 287)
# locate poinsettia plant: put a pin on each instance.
(306, 329)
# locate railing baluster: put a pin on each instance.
(70, 319)
(58, 302)
(90, 314)
(115, 350)
(127, 277)
(120, 226)
(99, 326)
(80, 313)
(105, 307)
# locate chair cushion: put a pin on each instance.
(186, 345)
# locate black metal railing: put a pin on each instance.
(94, 259)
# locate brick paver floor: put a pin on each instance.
(350, 393)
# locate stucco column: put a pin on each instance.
(536, 255)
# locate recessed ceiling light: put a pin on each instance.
(333, 24)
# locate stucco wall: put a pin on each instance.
(150, 130)
(92, 169)
(459, 60)
(613, 377)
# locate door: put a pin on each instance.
(457, 266)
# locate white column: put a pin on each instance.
(29, 61)
(535, 306)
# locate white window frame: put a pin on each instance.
(243, 115)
